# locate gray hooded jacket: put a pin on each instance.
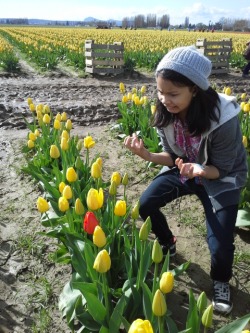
(222, 147)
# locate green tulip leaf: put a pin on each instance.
(116, 317)
(147, 300)
(243, 218)
(193, 320)
(236, 326)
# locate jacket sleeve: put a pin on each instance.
(164, 143)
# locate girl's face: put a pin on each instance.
(176, 99)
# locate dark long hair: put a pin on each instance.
(203, 108)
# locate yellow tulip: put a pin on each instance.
(68, 125)
(54, 152)
(134, 90)
(64, 144)
(32, 107)
(57, 124)
(39, 115)
(61, 187)
(67, 192)
(32, 136)
(129, 96)
(207, 317)
(141, 326)
(244, 141)
(143, 89)
(46, 119)
(96, 171)
(63, 204)
(159, 305)
(39, 107)
(64, 116)
(242, 104)
(65, 134)
(37, 132)
(124, 99)
(157, 254)
(46, 109)
(58, 117)
(99, 161)
(79, 208)
(243, 96)
(245, 331)
(246, 107)
(228, 91)
(137, 100)
(71, 175)
(102, 262)
(30, 144)
(122, 87)
(95, 199)
(116, 177)
(42, 205)
(88, 142)
(29, 101)
(167, 282)
(153, 109)
(99, 237)
(120, 208)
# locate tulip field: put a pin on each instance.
(120, 279)
(46, 47)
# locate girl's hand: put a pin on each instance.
(135, 145)
(189, 170)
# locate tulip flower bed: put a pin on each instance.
(120, 279)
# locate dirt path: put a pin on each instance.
(30, 282)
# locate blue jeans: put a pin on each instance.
(220, 225)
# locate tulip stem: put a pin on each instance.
(155, 278)
(160, 324)
(141, 265)
(105, 294)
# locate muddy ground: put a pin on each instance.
(30, 283)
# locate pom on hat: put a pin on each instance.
(189, 62)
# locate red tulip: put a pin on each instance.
(90, 222)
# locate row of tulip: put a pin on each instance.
(46, 46)
(8, 60)
(120, 278)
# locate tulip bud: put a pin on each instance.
(207, 316)
(246, 107)
(167, 282)
(157, 254)
(58, 117)
(32, 107)
(135, 211)
(46, 109)
(32, 136)
(90, 222)
(39, 107)
(88, 142)
(99, 238)
(122, 87)
(120, 208)
(65, 134)
(228, 91)
(242, 104)
(243, 96)
(30, 144)
(134, 90)
(64, 144)
(79, 145)
(61, 187)
(46, 119)
(57, 124)
(67, 192)
(124, 99)
(159, 305)
(68, 125)
(153, 109)
(113, 188)
(63, 204)
(145, 230)
(96, 171)
(116, 177)
(42, 205)
(141, 326)
(143, 89)
(125, 179)
(99, 161)
(95, 199)
(54, 152)
(71, 175)
(78, 163)
(202, 302)
(37, 133)
(129, 96)
(29, 101)
(64, 116)
(102, 262)
(79, 208)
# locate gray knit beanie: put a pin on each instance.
(189, 62)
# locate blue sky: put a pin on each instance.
(197, 11)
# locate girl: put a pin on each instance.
(202, 153)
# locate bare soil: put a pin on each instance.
(30, 283)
